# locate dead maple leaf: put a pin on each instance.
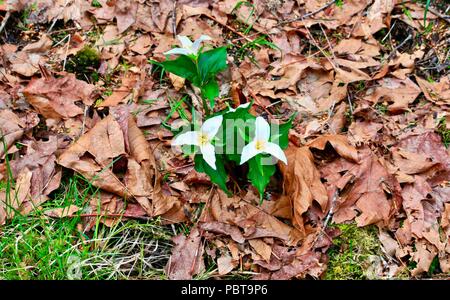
(368, 194)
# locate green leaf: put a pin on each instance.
(239, 125)
(218, 176)
(210, 91)
(212, 62)
(259, 175)
(182, 66)
(282, 138)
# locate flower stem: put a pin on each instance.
(206, 107)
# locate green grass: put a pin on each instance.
(350, 254)
(36, 247)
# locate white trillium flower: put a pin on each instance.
(187, 46)
(202, 138)
(261, 144)
(245, 105)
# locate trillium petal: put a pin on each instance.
(209, 154)
(245, 105)
(262, 130)
(178, 51)
(211, 126)
(185, 41)
(275, 151)
(187, 138)
(198, 42)
(248, 152)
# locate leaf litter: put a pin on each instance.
(370, 85)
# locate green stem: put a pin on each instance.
(204, 102)
(206, 107)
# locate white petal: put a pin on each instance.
(262, 131)
(276, 151)
(178, 51)
(211, 126)
(187, 138)
(248, 152)
(185, 41)
(209, 155)
(245, 105)
(197, 43)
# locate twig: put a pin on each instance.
(229, 28)
(67, 50)
(437, 13)
(350, 104)
(328, 41)
(398, 47)
(174, 19)
(5, 20)
(389, 32)
(321, 50)
(308, 14)
(331, 212)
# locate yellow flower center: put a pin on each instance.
(260, 145)
(203, 139)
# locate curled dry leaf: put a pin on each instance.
(437, 92)
(302, 184)
(339, 143)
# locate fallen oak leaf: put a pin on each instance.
(55, 98)
(398, 92)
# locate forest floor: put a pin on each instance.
(92, 189)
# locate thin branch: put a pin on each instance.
(229, 28)
(308, 14)
(398, 47)
(174, 19)
(5, 20)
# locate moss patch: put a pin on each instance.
(84, 64)
(349, 256)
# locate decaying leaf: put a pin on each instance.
(187, 256)
(55, 98)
